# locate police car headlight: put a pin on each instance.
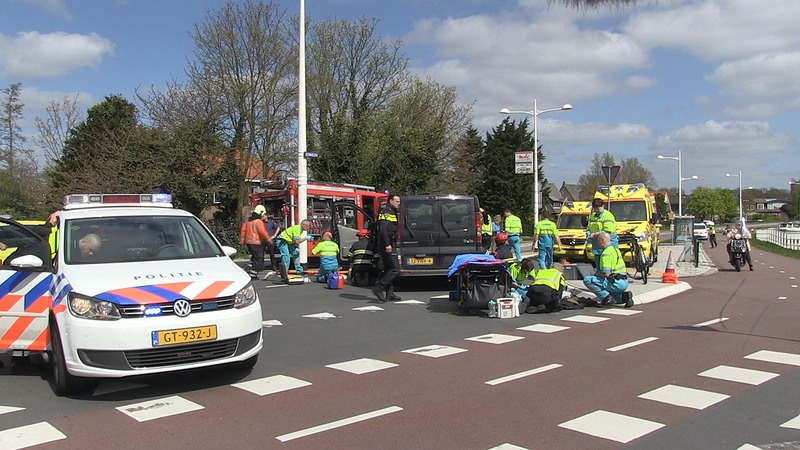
(92, 308)
(642, 236)
(245, 297)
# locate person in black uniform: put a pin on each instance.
(387, 237)
(362, 261)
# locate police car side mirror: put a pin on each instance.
(230, 252)
(27, 261)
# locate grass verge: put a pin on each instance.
(772, 248)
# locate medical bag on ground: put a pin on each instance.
(335, 281)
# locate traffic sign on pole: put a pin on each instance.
(611, 173)
(523, 162)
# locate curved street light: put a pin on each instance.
(681, 179)
(535, 113)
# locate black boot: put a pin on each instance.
(379, 292)
(390, 294)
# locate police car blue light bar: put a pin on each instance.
(84, 200)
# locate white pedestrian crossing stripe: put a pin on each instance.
(158, 408)
(775, 357)
(271, 385)
(435, 351)
(543, 328)
(361, 366)
(739, 375)
(493, 338)
(612, 426)
(684, 396)
(585, 319)
(29, 435)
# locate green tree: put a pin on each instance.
(707, 203)
(500, 187)
(353, 77)
(462, 174)
(20, 181)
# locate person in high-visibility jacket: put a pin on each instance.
(545, 293)
(386, 247)
(513, 228)
(328, 252)
(487, 231)
(253, 234)
(610, 280)
(544, 239)
(288, 242)
(601, 221)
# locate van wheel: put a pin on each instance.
(63, 383)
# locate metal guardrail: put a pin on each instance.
(785, 239)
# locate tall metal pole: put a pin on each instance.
(680, 186)
(302, 168)
(535, 163)
(741, 212)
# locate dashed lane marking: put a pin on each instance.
(494, 338)
(271, 385)
(271, 323)
(159, 408)
(775, 357)
(794, 423)
(619, 312)
(9, 409)
(338, 424)
(739, 375)
(409, 302)
(684, 396)
(508, 446)
(710, 322)
(321, 316)
(612, 426)
(371, 308)
(361, 366)
(632, 344)
(435, 351)
(585, 319)
(782, 298)
(543, 328)
(29, 435)
(527, 373)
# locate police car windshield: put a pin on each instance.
(136, 238)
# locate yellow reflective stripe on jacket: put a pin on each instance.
(604, 222)
(389, 217)
(545, 227)
(513, 224)
(326, 248)
(550, 277)
(486, 228)
(290, 234)
(611, 259)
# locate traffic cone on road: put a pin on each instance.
(669, 275)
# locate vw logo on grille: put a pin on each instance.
(182, 308)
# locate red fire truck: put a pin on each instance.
(351, 207)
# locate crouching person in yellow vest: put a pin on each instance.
(610, 279)
(544, 295)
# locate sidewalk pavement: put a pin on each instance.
(654, 289)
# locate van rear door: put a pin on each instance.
(435, 229)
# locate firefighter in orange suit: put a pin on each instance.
(254, 234)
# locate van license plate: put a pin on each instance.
(420, 261)
(184, 335)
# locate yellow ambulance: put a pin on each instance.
(634, 208)
(572, 231)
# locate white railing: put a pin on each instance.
(785, 239)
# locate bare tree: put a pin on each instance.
(62, 116)
(243, 80)
(20, 183)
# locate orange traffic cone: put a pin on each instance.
(669, 275)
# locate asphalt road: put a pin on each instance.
(713, 367)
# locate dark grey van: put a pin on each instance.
(434, 229)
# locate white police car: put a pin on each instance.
(136, 287)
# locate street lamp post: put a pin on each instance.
(739, 176)
(681, 179)
(535, 113)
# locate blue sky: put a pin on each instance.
(716, 79)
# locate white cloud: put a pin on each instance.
(57, 7)
(32, 55)
(732, 139)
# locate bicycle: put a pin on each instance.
(639, 261)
